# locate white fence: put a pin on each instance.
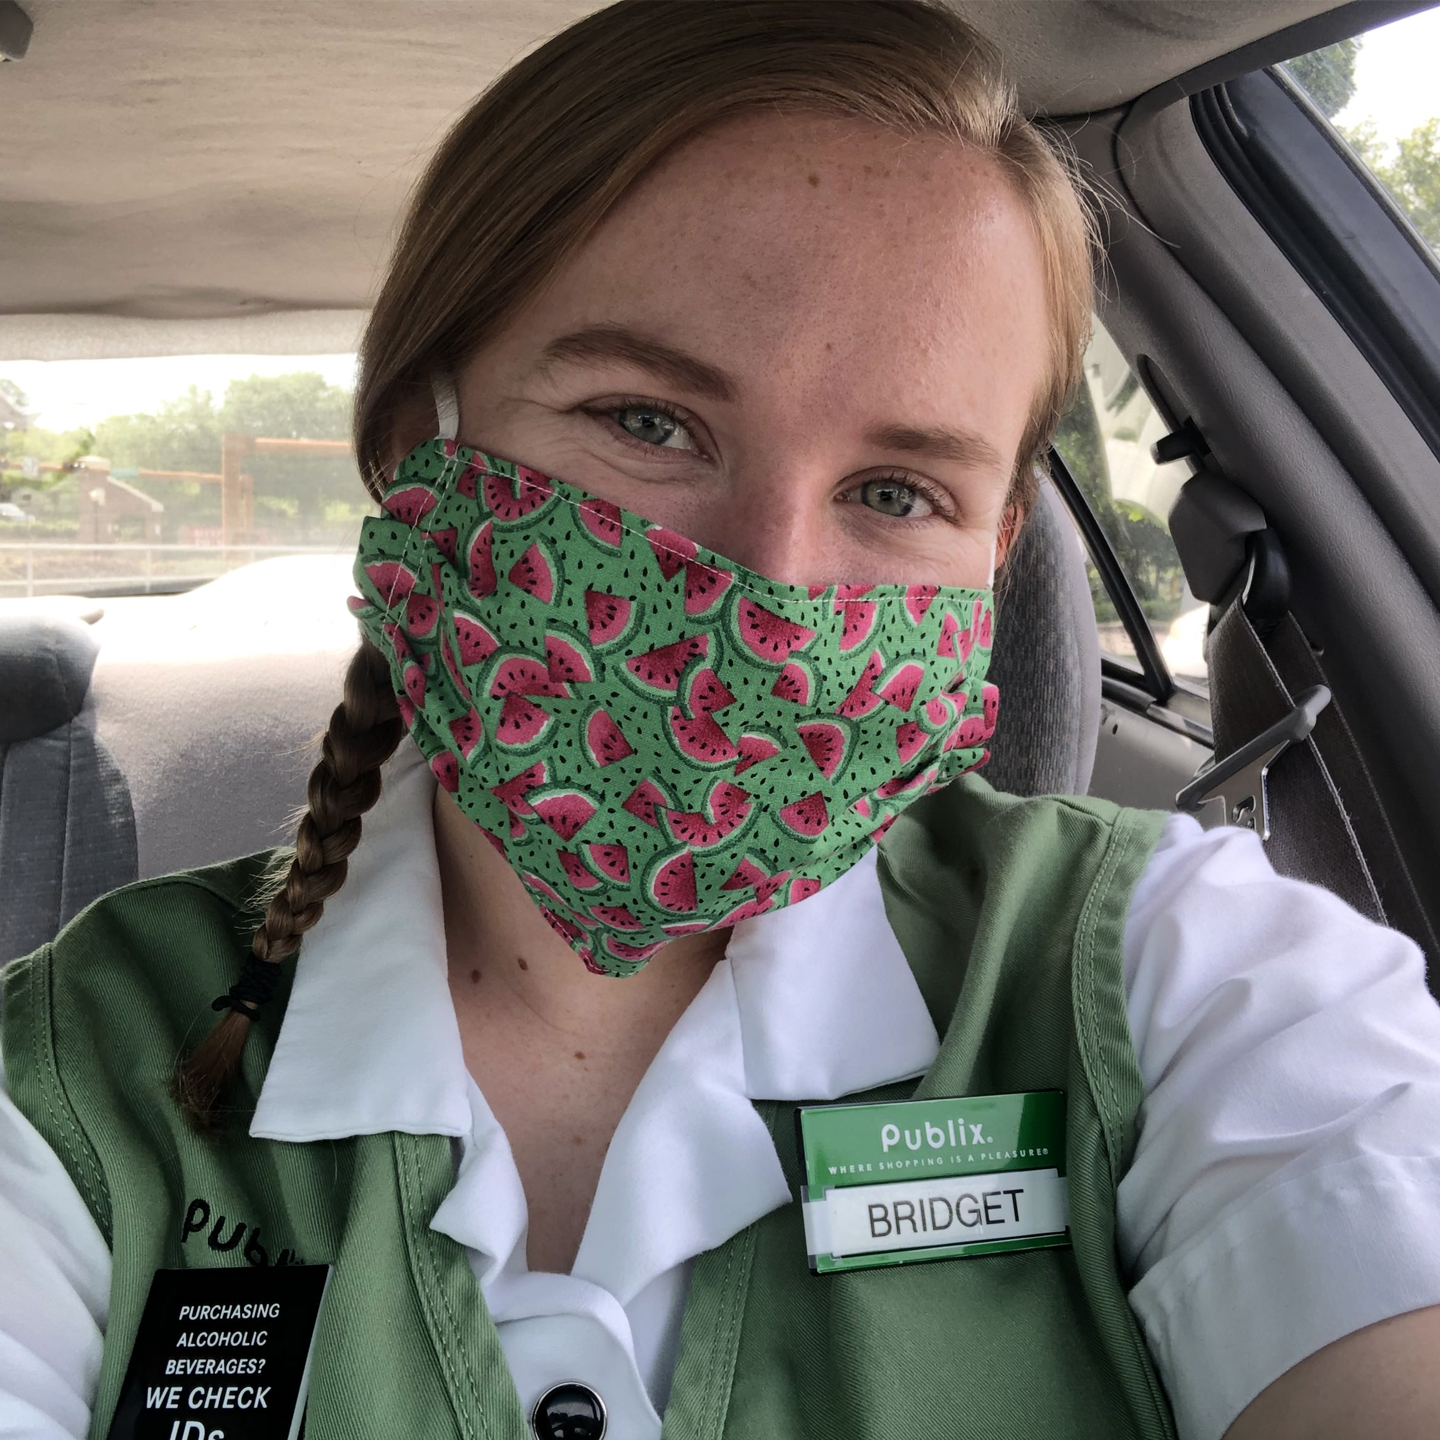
(38, 568)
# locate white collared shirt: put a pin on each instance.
(1285, 1189)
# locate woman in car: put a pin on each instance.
(703, 400)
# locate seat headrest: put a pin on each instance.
(45, 665)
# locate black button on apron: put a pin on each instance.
(571, 1411)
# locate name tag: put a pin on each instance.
(890, 1184)
(222, 1355)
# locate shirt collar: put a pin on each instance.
(826, 1002)
(369, 1042)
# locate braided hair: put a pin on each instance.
(362, 735)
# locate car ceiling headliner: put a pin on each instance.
(183, 159)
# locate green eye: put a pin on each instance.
(653, 427)
(893, 497)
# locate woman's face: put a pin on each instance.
(805, 343)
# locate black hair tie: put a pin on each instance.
(255, 987)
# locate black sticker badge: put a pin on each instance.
(222, 1355)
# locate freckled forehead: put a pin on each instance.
(828, 229)
(795, 182)
(830, 269)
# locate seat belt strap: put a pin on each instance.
(1327, 823)
(1283, 751)
(1311, 835)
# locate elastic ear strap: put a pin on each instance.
(447, 406)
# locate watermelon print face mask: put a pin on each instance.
(658, 741)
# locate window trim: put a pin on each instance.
(1154, 677)
(1336, 225)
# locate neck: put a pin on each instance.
(494, 928)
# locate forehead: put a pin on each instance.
(802, 240)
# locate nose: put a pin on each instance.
(771, 523)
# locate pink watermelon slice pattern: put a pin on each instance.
(515, 500)
(612, 862)
(410, 504)
(858, 613)
(862, 699)
(602, 520)
(704, 587)
(705, 583)
(534, 573)
(672, 884)
(769, 637)
(806, 818)
(477, 642)
(696, 823)
(605, 742)
(903, 685)
(468, 734)
(645, 802)
(616, 915)
(511, 793)
(727, 808)
(700, 740)
(445, 541)
(794, 683)
(910, 740)
(659, 671)
(522, 723)
(575, 870)
(672, 551)
(566, 662)
(633, 954)
(392, 580)
(609, 617)
(918, 600)
(706, 692)
(480, 561)
(525, 675)
(753, 749)
(566, 812)
(421, 613)
(826, 742)
(446, 770)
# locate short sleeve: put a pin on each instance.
(54, 1289)
(1285, 1188)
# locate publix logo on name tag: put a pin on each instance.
(890, 1184)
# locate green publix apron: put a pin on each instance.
(1011, 913)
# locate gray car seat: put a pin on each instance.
(1046, 660)
(216, 751)
(67, 831)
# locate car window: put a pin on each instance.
(157, 474)
(1105, 442)
(1379, 92)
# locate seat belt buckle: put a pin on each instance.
(1239, 779)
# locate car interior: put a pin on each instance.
(1225, 601)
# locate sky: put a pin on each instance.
(1396, 87)
(66, 394)
(1396, 81)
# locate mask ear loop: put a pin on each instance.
(447, 418)
(447, 406)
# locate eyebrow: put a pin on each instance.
(962, 446)
(632, 347)
(699, 377)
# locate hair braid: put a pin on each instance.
(362, 735)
